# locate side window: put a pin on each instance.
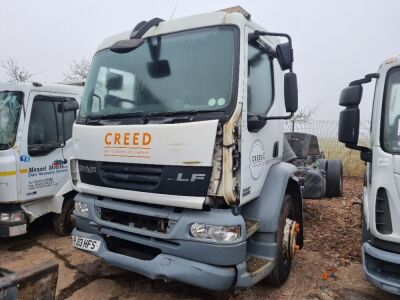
(46, 127)
(69, 119)
(43, 126)
(260, 81)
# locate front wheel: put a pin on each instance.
(285, 242)
(63, 223)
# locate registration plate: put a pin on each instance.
(85, 243)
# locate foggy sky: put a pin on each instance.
(335, 42)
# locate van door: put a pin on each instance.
(47, 146)
(260, 145)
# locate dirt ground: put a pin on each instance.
(327, 268)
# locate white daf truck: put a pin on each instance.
(35, 145)
(178, 153)
(381, 207)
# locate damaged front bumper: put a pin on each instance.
(167, 267)
(128, 235)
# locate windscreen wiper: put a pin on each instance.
(96, 119)
(181, 112)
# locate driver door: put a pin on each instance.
(260, 144)
(43, 163)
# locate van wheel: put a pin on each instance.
(63, 223)
(286, 244)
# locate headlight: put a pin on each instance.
(215, 232)
(74, 169)
(81, 209)
(12, 217)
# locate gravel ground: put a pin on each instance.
(327, 268)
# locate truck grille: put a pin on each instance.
(130, 177)
(159, 179)
(134, 220)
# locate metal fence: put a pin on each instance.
(327, 133)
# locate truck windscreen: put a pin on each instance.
(10, 108)
(192, 70)
(390, 137)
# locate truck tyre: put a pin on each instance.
(63, 223)
(314, 184)
(334, 178)
(283, 262)
(322, 164)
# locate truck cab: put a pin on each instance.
(35, 145)
(178, 152)
(380, 205)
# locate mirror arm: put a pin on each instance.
(253, 36)
(279, 117)
(365, 152)
(367, 78)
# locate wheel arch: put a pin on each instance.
(267, 207)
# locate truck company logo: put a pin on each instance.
(257, 159)
(87, 169)
(127, 139)
(127, 144)
(58, 166)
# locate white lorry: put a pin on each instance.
(35, 145)
(178, 153)
(381, 207)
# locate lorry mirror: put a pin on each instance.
(351, 96)
(255, 122)
(349, 124)
(70, 105)
(159, 68)
(291, 94)
(284, 54)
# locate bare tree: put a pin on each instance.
(303, 115)
(77, 70)
(14, 71)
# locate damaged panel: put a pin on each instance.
(10, 107)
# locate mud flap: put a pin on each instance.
(37, 282)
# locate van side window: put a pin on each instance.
(46, 126)
(260, 81)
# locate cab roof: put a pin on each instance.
(234, 15)
(27, 87)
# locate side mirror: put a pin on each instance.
(255, 122)
(284, 54)
(291, 93)
(351, 96)
(349, 125)
(70, 105)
